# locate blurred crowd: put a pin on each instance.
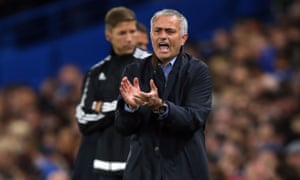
(39, 136)
(253, 132)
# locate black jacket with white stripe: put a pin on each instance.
(102, 83)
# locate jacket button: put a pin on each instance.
(156, 148)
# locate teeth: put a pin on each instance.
(164, 47)
(163, 44)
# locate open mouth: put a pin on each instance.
(163, 46)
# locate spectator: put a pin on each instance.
(293, 155)
(142, 36)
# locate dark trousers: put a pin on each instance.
(84, 161)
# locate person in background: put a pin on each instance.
(292, 155)
(142, 36)
(103, 151)
(164, 104)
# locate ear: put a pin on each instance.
(107, 35)
(183, 39)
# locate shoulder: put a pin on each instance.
(195, 65)
(135, 68)
(101, 63)
(96, 68)
(193, 61)
(141, 56)
(139, 63)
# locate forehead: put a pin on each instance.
(166, 22)
(141, 34)
(124, 26)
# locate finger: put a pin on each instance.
(136, 83)
(123, 87)
(123, 81)
(127, 83)
(153, 86)
(124, 78)
(138, 100)
(142, 100)
(144, 94)
(123, 91)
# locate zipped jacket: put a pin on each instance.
(102, 83)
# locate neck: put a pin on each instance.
(163, 62)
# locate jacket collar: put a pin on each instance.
(155, 61)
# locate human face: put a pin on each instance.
(166, 37)
(122, 37)
(142, 40)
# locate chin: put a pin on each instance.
(163, 57)
(129, 51)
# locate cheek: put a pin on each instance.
(117, 40)
(153, 39)
(115, 43)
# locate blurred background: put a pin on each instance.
(251, 46)
(37, 37)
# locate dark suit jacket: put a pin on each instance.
(172, 148)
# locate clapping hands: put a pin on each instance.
(134, 97)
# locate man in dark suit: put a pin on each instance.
(164, 103)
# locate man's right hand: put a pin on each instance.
(129, 92)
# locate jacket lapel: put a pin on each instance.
(175, 75)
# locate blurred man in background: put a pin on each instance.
(142, 36)
(104, 151)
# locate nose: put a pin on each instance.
(129, 37)
(163, 35)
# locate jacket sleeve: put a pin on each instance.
(89, 120)
(126, 122)
(192, 113)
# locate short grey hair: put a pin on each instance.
(172, 12)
